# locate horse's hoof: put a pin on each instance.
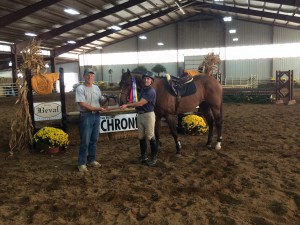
(218, 146)
(209, 147)
(178, 155)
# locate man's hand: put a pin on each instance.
(123, 106)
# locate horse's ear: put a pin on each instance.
(128, 71)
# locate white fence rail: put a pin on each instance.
(8, 89)
(251, 82)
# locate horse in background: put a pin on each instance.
(205, 92)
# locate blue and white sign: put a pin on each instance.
(47, 111)
(122, 122)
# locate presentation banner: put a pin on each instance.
(122, 122)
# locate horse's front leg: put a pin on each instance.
(172, 123)
(156, 131)
(210, 122)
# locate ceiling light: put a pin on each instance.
(235, 39)
(227, 18)
(143, 37)
(114, 27)
(160, 43)
(232, 31)
(30, 34)
(71, 42)
(10, 63)
(71, 11)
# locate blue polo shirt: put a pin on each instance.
(149, 94)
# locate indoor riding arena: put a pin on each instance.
(249, 48)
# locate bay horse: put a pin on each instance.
(207, 94)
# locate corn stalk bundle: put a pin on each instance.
(210, 63)
(21, 125)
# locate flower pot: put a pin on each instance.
(53, 150)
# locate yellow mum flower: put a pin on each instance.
(193, 124)
(53, 137)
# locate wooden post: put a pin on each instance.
(62, 99)
(30, 97)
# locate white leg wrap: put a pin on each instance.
(218, 146)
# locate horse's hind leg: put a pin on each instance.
(218, 115)
(217, 111)
(172, 122)
(204, 110)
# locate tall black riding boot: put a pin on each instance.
(154, 150)
(143, 147)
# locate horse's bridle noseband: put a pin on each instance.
(122, 92)
(126, 96)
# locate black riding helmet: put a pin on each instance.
(149, 74)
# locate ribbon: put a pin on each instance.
(133, 92)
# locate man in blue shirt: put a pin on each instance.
(89, 97)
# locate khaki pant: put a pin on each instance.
(146, 124)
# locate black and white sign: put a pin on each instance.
(123, 122)
(47, 111)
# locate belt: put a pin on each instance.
(142, 112)
(90, 112)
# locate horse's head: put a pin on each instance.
(125, 85)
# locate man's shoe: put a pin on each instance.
(94, 164)
(82, 168)
(140, 160)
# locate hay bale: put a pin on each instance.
(2, 92)
(123, 135)
(104, 137)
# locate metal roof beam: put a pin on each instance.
(285, 2)
(66, 48)
(63, 29)
(251, 12)
(13, 17)
(70, 26)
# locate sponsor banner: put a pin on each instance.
(122, 122)
(47, 111)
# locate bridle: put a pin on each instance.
(126, 95)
